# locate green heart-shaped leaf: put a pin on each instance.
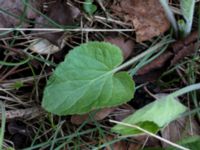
(86, 80)
(89, 7)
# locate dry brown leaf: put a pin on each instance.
(100, 115)
(157, 63)
(175, 53)
(61, 13)
(16, 7)
(132, 144)
(135, 143)
(180, 129)
(122, 112)
(134, 147)
(149, 77)
(121, 145)
(126, 46)
(184, 47)
(147, 141)
(29, 113)
(43, 46)
(147, 16)
(20, 134)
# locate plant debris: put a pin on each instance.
(42, 64)
(43, 46)
(23, 113)
(99, 115)
(61, 15)
(126, 46)
(180, 129)
(20, 134)
(184, 47)
(17, 8)
(147, 17)
(175, 53)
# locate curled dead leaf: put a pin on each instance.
(43, 46)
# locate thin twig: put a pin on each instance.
(70, 30)
(23, 113)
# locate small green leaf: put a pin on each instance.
(18, 84)
(182, 26)
(86, 80)
(89, 7)
(153, 116)
(187, 8)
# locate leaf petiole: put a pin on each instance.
(138, 57)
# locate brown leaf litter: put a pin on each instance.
(59, 12)
(175, 53)
(118, 113)
(135, 143)
(16, 8)
(179, 129)
(20, 134)
(121, 112)
(147, 17)
(62, 14)
(125, 45)
(23, 113)
(100, 115)
(121, 145)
